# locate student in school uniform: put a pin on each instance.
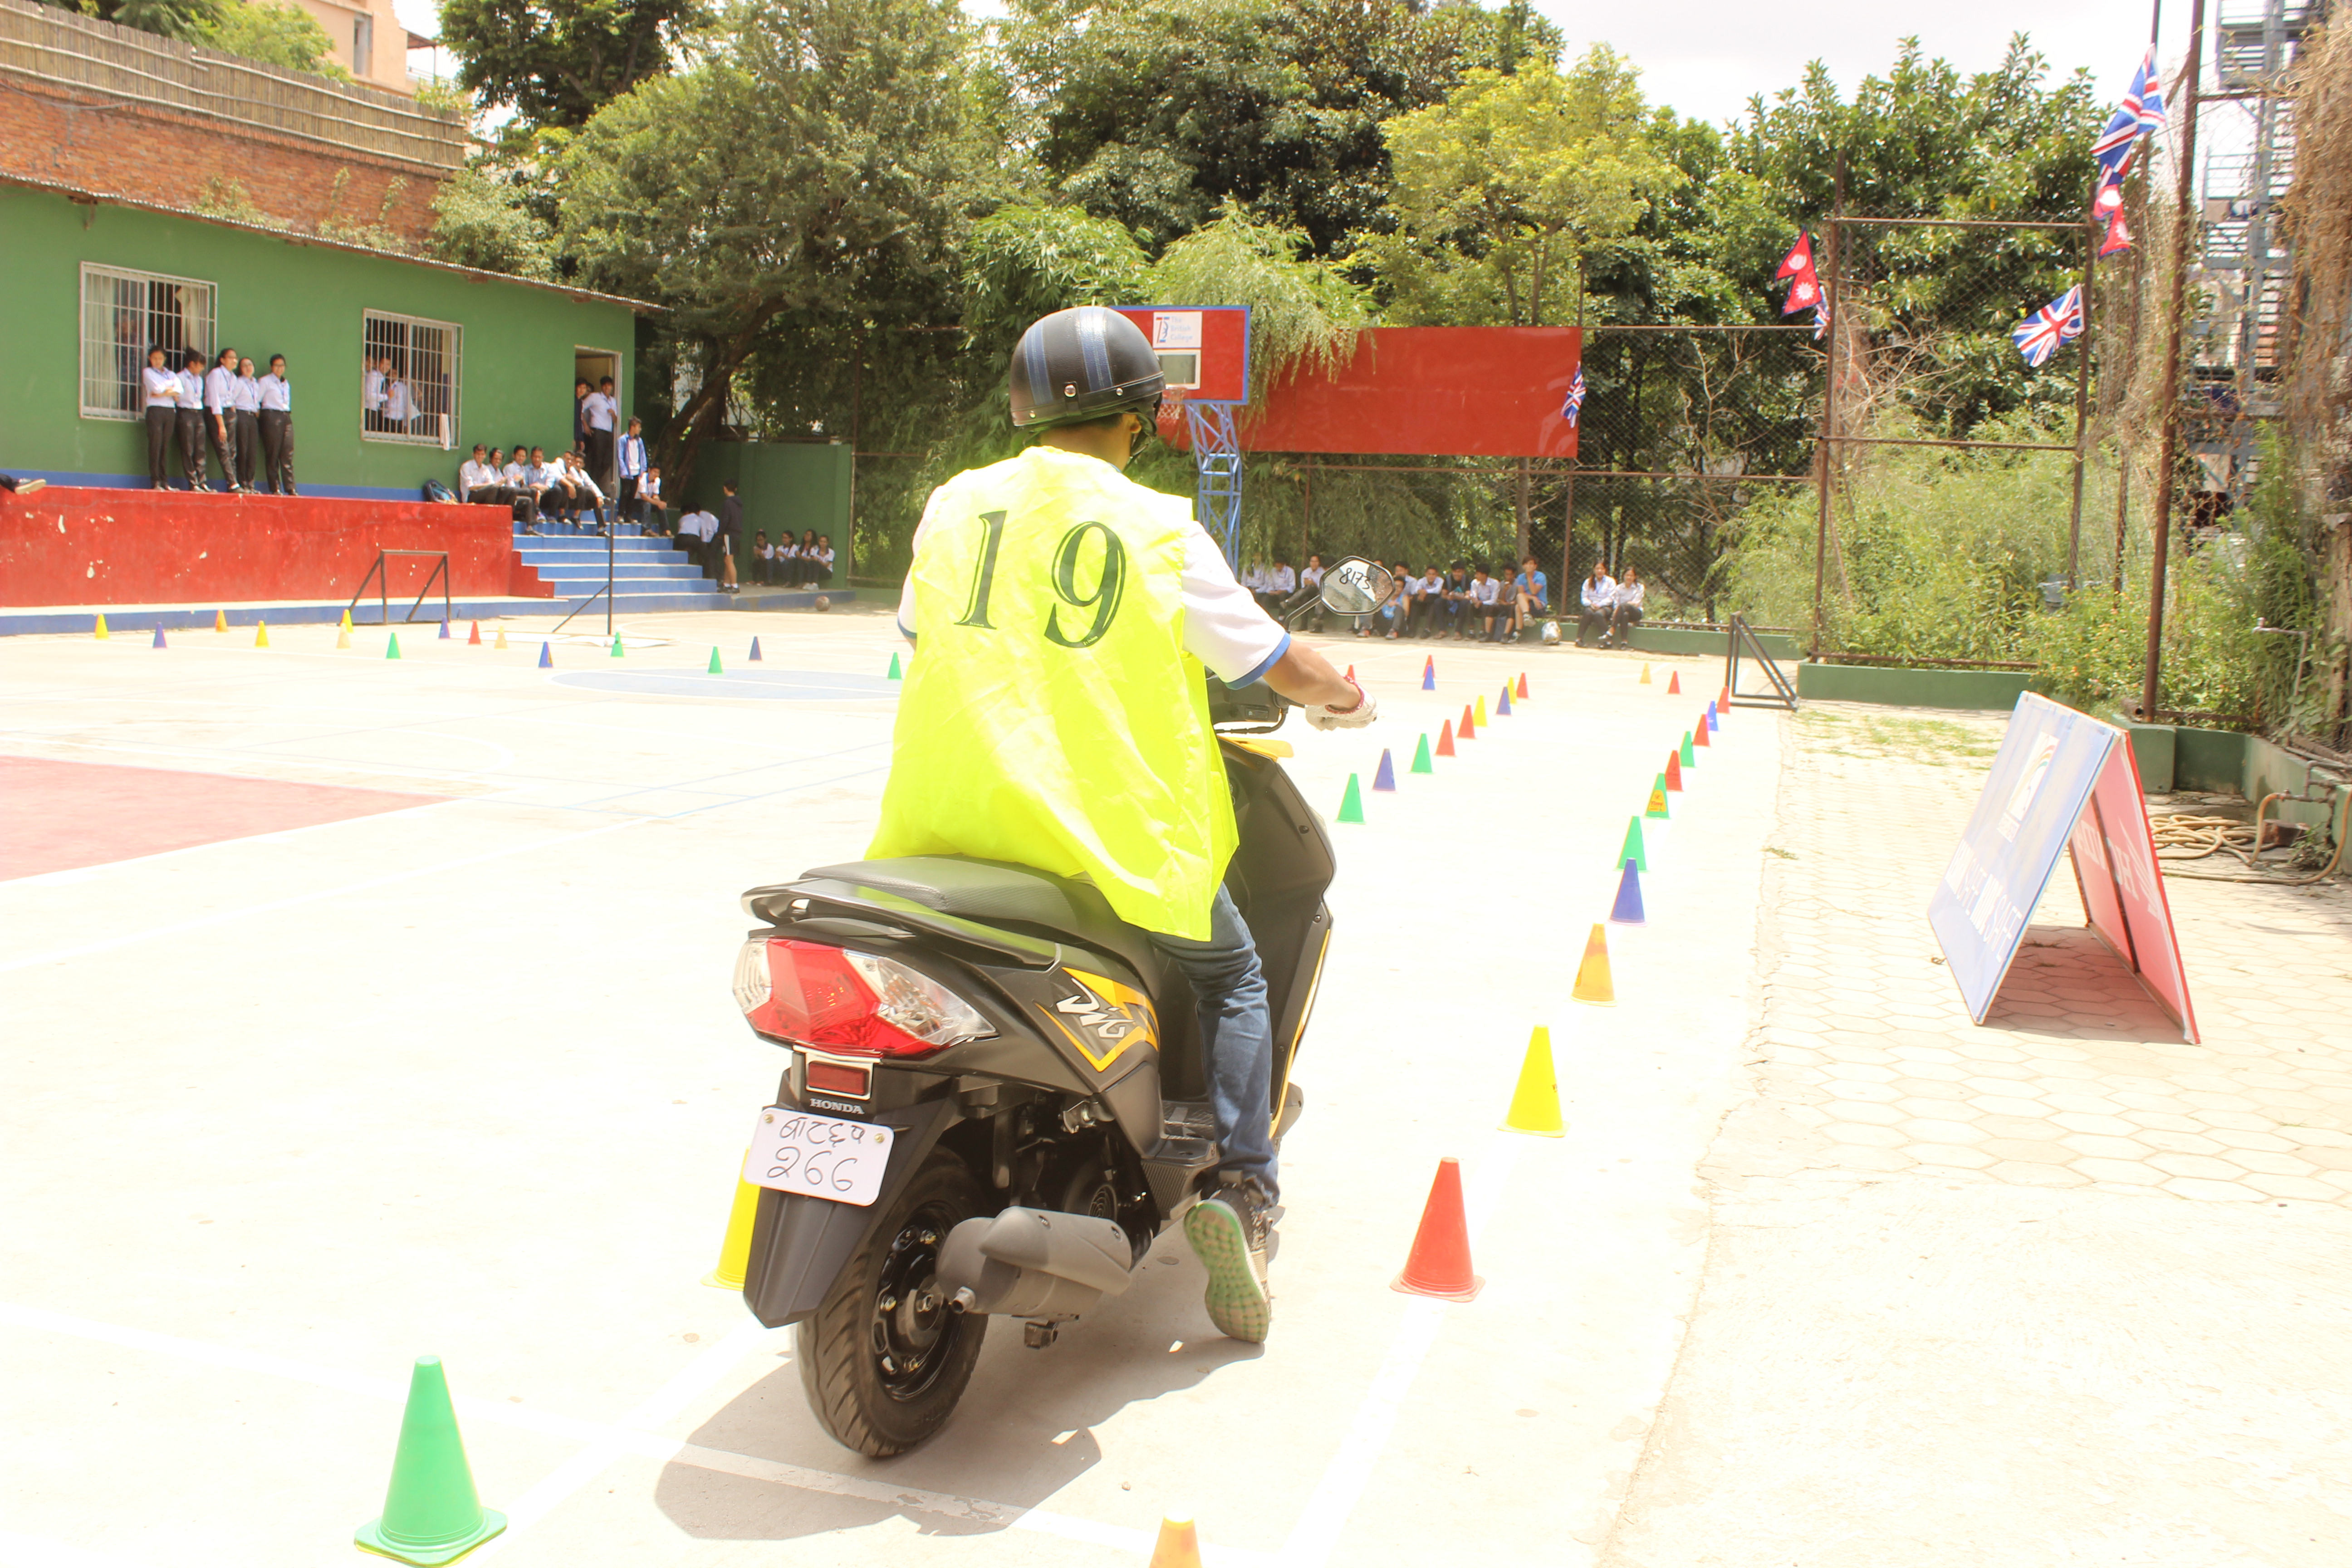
(220, 416)
(480, 482)
(652, 511)
(1596, 604)
(192, 419)
(630, 459)
(587, 495)
(1626, 611)
(785, 572)
(247, 395)
(817, 555)
(695, 531)
(550, 495)
(371, 392)
(158, 385)
(763, 559)
(729, 538)
(275, 395)
(517, 475)
(601, 413)
(399, 403)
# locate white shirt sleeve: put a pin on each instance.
(1224, 627)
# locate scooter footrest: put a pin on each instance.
(1187, 1153)
(1188, 1119)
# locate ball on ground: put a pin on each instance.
(823, 602)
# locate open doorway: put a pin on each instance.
(592, 365)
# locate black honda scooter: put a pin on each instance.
(996, 1098)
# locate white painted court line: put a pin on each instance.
(222, 916)
(21, 1551)
(1317, 1534)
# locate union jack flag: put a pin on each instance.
(2059, 323)
(2142, 110)
(1575, 403)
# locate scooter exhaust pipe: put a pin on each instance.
(1035, 1263)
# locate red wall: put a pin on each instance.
(69, 546)
(1470, 392)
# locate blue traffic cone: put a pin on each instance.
(1386, 777)
(546, 658)
(159, 636)
(1627, 909)
(1429, 673)
(755, 652)
(1714, 721)
(1503, 704)
(444, 630)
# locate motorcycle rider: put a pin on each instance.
(1054, 716)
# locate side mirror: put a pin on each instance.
(1357, 588)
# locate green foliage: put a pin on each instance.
(2094, 655)
(1303, 312)
(189, 21)
(229, 199)
(1023, 261)
(481, 220)
(1156, 112)
(274, 33)
(556, 62)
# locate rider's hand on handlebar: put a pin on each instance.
(1356, 718)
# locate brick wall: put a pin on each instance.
(152, 155)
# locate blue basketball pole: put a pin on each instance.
(1217, 464)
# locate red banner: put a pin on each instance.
(1469, 392)
(2123, 890)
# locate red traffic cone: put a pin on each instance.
(1674, 683)
(1445, 739)
(1440, 1262)
(1465, 731)
(1723, 701)
(1699, 736)
(1523, 686)
(1674, 773)
(474, 637)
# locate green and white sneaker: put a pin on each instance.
(1228, 1231)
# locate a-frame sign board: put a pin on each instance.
(2063, 781)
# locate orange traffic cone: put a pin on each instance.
(1440, 1262)
(1465, 731)
(1179, 1545)
(1592, 983)
(1674, 772)
(1523, 686)
(1674, 683)
(1445, 739)
(1699, 736)
(474, 637)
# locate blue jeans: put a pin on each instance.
(1236, 1036)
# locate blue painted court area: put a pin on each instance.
(770, 685)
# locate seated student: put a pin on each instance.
(789, 564)
(548, 487)
(1428, 594)
(1597, 601)
(763, 558)
(816, 557)
(1487, 603)
(1281, 583)
(588, 495)
(695, 531)
(1626, 611)
(1533, 591)
(1456, 604)
(1311, 576)
(652, 511)
(479, 483)
(525, 495)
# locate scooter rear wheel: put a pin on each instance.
(884, 1359)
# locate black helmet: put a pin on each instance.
(1081, 364)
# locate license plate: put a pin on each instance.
(818, 1156)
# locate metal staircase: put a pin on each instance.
(649, 574)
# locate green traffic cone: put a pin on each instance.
(714, 668)
(1657, 806)
(391, 648)
(1352, 804)
(1690, 759)
(616, 646)
(894, 667)
(1420, 757)
(431, 1513)
(1633, 850)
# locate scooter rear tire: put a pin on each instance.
(882, 1379)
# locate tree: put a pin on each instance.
(275, 35)
(1157, 111)
(804, 170)
(556, 62)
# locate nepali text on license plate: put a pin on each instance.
(818, 1156)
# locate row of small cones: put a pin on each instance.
(1474, 719)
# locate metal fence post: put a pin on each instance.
(1830, 292)
(2168, 446)
(2081, 396)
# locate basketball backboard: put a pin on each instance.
(1203, 349)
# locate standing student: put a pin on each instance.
(631, 460)
(158, 385)
(580, 412)
(730, 537)
(220, 417)
(248, 425)
(601, 411)
(277, 401)
(192, 419)
(371, 392)
(399, 403)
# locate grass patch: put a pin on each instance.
(1940, 742)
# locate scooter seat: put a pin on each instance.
(994, 893)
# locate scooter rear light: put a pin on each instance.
(839, 1078)
(851, 1003)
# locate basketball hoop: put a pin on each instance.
(1172, 416)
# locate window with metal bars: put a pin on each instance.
(124, 315)
(408, 390)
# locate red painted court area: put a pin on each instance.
(55, 817)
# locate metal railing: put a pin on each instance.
(1784, 691)
(382, 578)
(83, 54)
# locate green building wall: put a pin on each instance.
(277, 294)
(786, 488)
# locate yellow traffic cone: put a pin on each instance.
(343, 639)
(502, 640)
(1534, 1104)
(102, 633)
(1646, 674)
(261, 634)
(220, 620)
(735, 1252)
(347, 621)
(1592, 983)
(1482, 710)
(1179, 1545)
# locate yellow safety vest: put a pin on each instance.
(1050, 716)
